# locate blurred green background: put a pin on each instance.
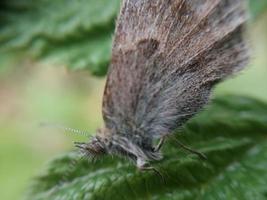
(32, 92)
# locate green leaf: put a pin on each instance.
(232, 132)
(257, 7)
(76, 33)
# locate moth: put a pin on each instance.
(166, 57)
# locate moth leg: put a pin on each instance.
(201, 155)
(150, 168)
(160, 144)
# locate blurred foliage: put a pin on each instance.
(257, 7)
(29, 95)
(77, 34)
(231, 132)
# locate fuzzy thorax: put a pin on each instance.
(117, 144)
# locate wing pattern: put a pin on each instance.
(166, 56)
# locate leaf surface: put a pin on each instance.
(232, 132)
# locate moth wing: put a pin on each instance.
(166, 56)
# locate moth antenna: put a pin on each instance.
(66, 129)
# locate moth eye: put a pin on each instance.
(148, 47)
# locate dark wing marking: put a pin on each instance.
(167, 55)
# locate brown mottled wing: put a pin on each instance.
(166, 56)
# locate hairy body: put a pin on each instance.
(166, 57)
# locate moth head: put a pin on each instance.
(114, 144)
(96, 147)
